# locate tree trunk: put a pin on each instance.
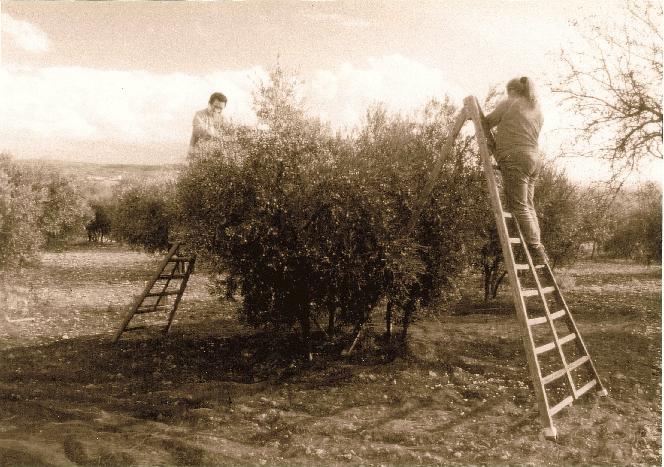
(331, 310)
(407, 316)
(495, 287)
(305, 325)
(487, 282)
(388, 320)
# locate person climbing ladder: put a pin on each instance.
(518, 121)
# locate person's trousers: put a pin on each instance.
(519, 173)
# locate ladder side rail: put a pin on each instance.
(474, 113)
(183, 285)
(146, 291)
(570, 320)
(547, 312)
(460, 119)
(168, 281)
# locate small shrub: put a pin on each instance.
(143, 216)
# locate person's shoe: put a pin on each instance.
(538, 254)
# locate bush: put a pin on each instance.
(557, 202)
(101, 225)
(309, 222)
(64, 211)
(37, 209)
(637, 230)
(144, 215)
(20, 212)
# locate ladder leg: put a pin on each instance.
(183, 285)
(126, 320)
(165, 287)
(571, 324)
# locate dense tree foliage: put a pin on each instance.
(311, 223)
(556, 201)
(100, 226)
(143, 215)
(37, 208)
(64, 210)
(636, 232)
(20, 211)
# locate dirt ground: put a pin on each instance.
(216, 392)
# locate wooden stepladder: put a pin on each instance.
(560, 366)
(170, 279)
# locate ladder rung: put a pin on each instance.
(163, 294)
(172, 276)
(180, 259)
(533, 292)
(560, 405)
(577, 363)
(542, 319)
(567, 338)
(557, 314)
(553, 376)
(538, 320)
(508, 215)
(151, 309)
(584, 389)
(545, 348)
(135, 328)
(525, 267)
(515, 240)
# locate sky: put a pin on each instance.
(119, 82)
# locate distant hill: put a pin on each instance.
(113, 171)
(98, 180)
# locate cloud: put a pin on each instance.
(27, 36)
(139, 106)
(342, 95)
(131, 106)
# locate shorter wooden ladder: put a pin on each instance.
(170, 279)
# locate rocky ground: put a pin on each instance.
(217, 392)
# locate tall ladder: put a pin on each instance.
(560, 366)
(170, 279)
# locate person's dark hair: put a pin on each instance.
(217, 96)
(523, 87)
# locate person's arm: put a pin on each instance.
(200, 128)
(494, 117)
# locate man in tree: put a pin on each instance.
(207, 124)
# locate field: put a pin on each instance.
(217, 392)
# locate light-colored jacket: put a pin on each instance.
(518, 126)
(207, 124)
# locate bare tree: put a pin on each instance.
(612, 82)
